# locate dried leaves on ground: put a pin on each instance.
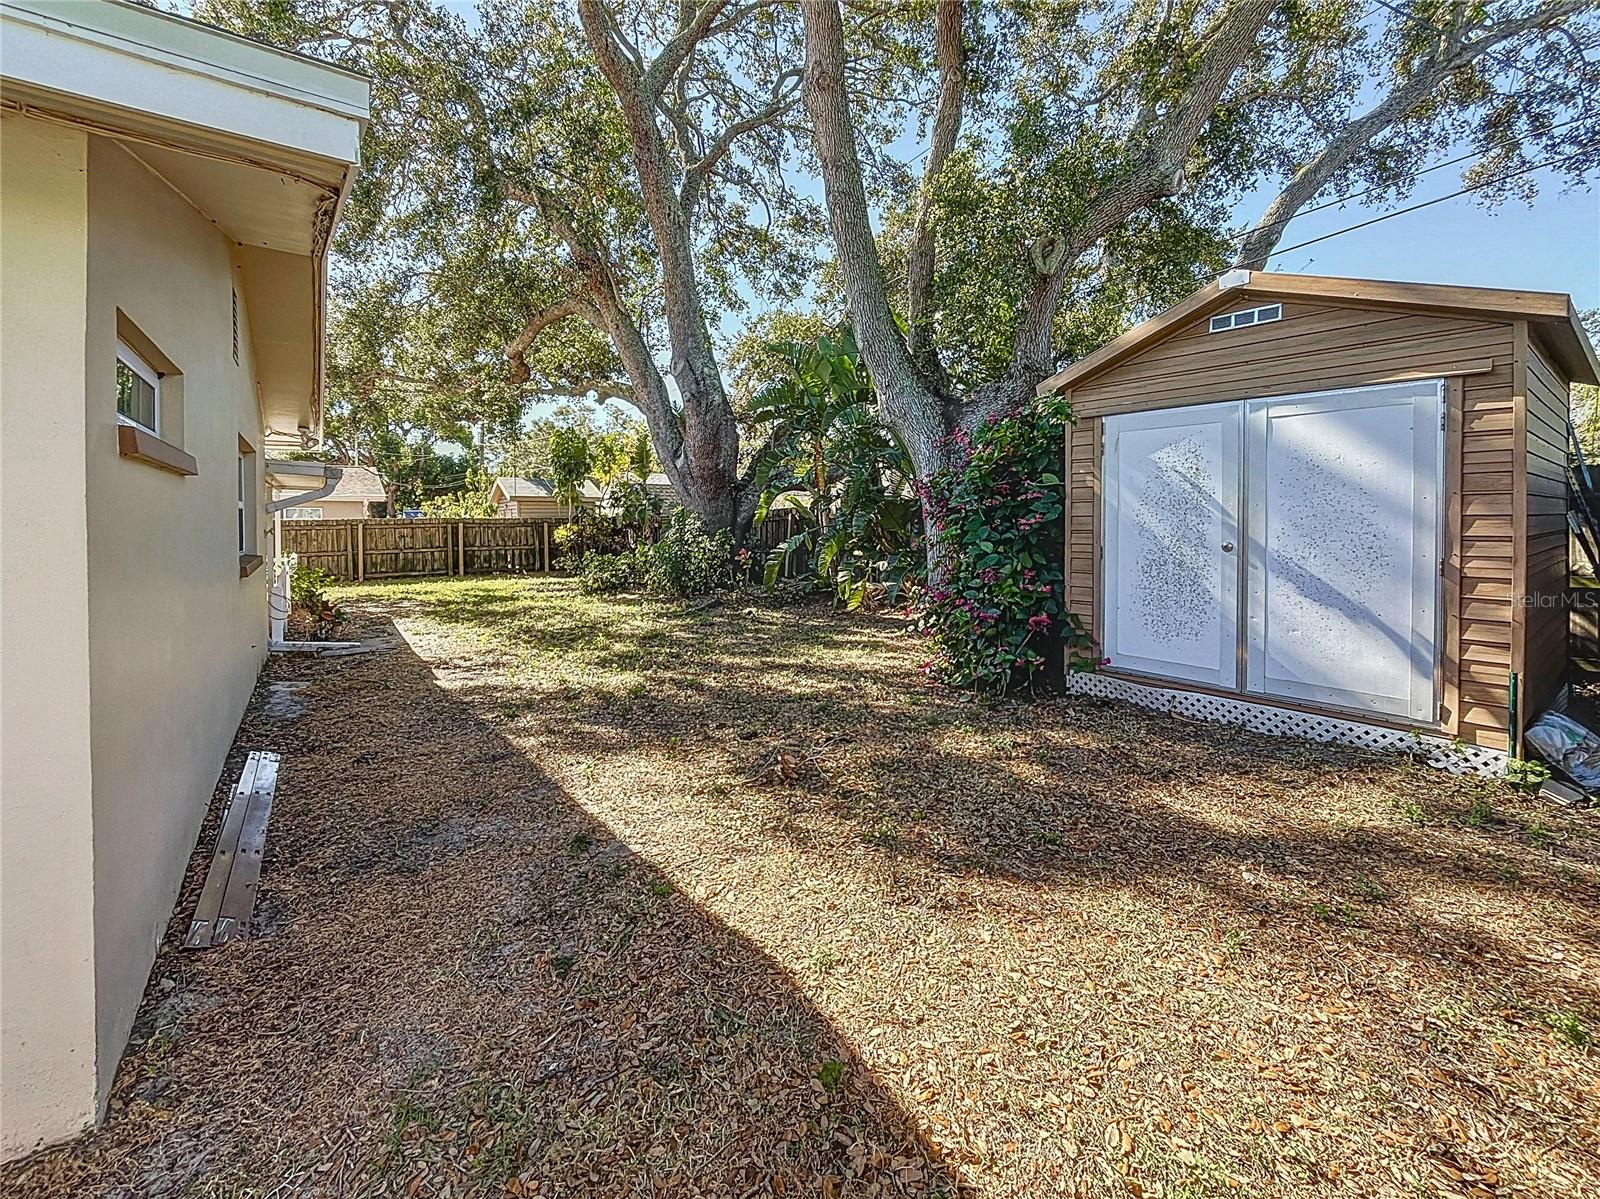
(578, 897)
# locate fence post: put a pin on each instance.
(361, 551)
(461, 547)
(544, 558)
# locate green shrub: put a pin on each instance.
(687, 560)
(307, 587)
(1524, 774)
(994, 616)
(588, 533)
(603, 574)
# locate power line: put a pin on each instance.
(1144, 300)
(1411, 178)
(1441, 199)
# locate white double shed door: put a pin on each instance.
(1288, 547)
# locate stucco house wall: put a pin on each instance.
(169, 615)
(47, 984)
(163, 183)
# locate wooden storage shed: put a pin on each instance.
(1330, 507)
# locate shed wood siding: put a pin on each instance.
(1545, 562)
(536, 507)
(1321, 346)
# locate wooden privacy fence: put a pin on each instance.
(387, 549)
(390, 549)
(767, 536)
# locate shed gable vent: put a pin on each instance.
(235, 327)
(1247, 316)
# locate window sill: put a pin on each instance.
(136, 443)
(249, 564)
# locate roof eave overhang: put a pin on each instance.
(153, 79)
(1212, 295)
(1551, 312)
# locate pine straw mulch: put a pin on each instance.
(573, 897)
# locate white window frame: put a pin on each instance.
(129, 357)
(296, 513)
(243, 549)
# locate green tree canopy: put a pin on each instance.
(570, 464)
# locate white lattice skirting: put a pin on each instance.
(1455, 757)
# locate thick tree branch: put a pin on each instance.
(603, 305)
(1452, 53)
(694, 26)
(950, 57)
(707, 452)
(540, 321)
(906, 404)
(1161, 147)
(785, 95)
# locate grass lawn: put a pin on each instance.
(579, 897)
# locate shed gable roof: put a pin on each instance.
(1551, 314)
(511, 487)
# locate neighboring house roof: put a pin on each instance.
(658, 485)
(1550, 315)
(360, 483)
(512, 488)
(264, 143)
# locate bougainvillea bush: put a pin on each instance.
(993, 612)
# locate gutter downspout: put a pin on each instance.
(331, 475)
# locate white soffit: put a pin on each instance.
(286, 337)
(261, 141)
(253, 206)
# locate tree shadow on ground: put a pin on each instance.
(1006, 903)
(1065, 794)
(464, 983)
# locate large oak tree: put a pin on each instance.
(602, 193)
(584, 192)
(1097, 132)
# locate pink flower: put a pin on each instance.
(1038, 622)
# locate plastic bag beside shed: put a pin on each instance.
(1566, 744)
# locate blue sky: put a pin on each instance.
(1554, 245)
